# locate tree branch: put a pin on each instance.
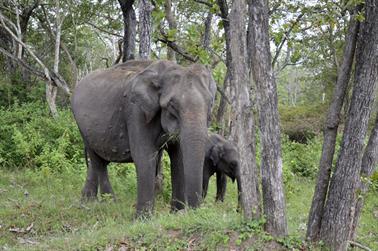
(355, 244)
(24, 64)
(285, 37)
(210, 5)
(50, 76)
(103, 30)
(176, 48)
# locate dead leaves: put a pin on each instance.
(18, 230)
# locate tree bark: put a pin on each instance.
(51, 90)
(242, 131)
(206, 39)
(336, 223)
(330, 133)
(369, 163)
(129, 23)
(223, 6)
(271, 162)
(172, 26)
(145, 32)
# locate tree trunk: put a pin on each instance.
(206, 39)
(145, 32)
(330, 133)
(336, 223)
(129, 22)
(172, 26)
(51, 90)
(243, 132)
(369, 163)
(223, 102)
(271, 162)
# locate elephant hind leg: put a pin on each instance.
(97, 176)
(89, 191)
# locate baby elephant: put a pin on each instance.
(222, 158)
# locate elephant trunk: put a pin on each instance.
(239, 192)
(193, 137)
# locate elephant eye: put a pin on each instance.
(233, 164)
(172, 109)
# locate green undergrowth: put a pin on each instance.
(43, 211)
(42, 172)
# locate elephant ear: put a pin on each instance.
(208, 83)
(216, 153)
(145, 89)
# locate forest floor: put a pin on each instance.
(41, 210)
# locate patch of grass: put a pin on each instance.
(50, 203)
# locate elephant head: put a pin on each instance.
(225, 160)
(181, 97)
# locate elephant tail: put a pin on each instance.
(86, 156)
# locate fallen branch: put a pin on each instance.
(355, 244)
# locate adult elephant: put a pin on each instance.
(128, 112)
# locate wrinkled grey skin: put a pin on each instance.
(222, 158)
(128, 112)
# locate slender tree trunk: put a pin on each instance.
(129, 22)
(171, 55)
(337, 218)
(145, 32)
(330, 133)
(51, 90)
(206, 39)
(243, 132)
(271, 162)
(369, 163)
(220, 118)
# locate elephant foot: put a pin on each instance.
(177, 206)
(88, 194)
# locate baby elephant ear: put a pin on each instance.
(216, 154)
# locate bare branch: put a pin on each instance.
(210, 5)
(285, 37)
(47, 26)
(175, 47)
(56, 78)
(355, 244)
(103, 30)
(24, 64)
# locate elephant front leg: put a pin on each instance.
(177, 177)
(205, 185)
(145, 155)
(221, 186)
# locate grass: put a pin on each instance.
(44, 210)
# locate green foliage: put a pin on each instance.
(301, 159)
(303, 122)
(374, 181)
(31, 138)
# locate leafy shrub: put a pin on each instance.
(31, 138)
(374, 181)
(302, 123)
(302, 159)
